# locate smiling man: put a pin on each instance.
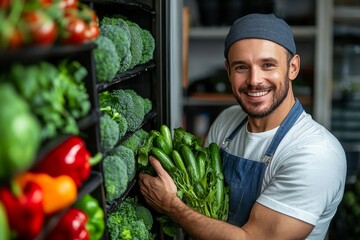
(285, 171)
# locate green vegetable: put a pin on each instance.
(124, 223)
(126, 155)
(106, 59)
(165, 131)
(96, 222)
(148, 46)
(136, 46)
(20, 133)
(56, 94)
(190, 162)
(164, 159)
(216, 166)
(176, 157)
(109, 133)
(147, 105)
(115, 177)
(118, 118)
(135, 141)
(161, 143)
(144, 214)
(126, 102)
(119, 37)
(126, 57)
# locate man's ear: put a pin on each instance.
(294, 67)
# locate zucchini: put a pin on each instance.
(163, 158)
(176, 157)
(201, 162)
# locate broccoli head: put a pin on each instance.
(123, 222)
(144, 214)
(109, 132)
(127, 103)
(136, 46)
(126, 155)
(115, 177)
(118, 118)
(148, 46)
(147, 105)
(106, 59)
(125, 60)
(119, 37)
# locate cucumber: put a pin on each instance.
(161, 143)
(201, 163)
(216, 165)
(190, 162)
(165, 131)
(176, 157)
(163, 158)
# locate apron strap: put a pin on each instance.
(226, 142)
(284, 127)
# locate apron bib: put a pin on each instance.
(244, 176)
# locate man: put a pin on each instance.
(286, 172)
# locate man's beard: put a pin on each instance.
(279, 97)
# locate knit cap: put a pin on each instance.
(262, 26)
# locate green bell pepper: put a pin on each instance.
(96, 222)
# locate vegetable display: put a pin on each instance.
(196, 171)
(20, 132)
(95, 224)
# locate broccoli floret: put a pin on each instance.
(119, 37)
(106, 59)
(115, 177)
(127, 103)
(147, 105)
(142, 134)
(109, 132)
(123, 222)
(136, 46)
(148, 46)
(144, 214)
(133, 142)
(126, 59)
(126, 155)
(118, 118)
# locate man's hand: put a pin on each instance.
(159, 191)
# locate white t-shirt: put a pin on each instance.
(307, 175)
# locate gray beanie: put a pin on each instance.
(263, 26)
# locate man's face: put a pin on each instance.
(258, 72)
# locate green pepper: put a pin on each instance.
(96, 223)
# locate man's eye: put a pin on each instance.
(240, 68)
(268, 65)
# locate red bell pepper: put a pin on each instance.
(69, 158)
(24, 208)
(72, 226)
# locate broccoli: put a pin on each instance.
(126, 155)
(119, 37)
(123, 222)
(119, 119)
(135, 141)
(109, 132)
(106, 59)
(144, 214)
(127, 103)
(126, 59)
(136, 46)
(142, 134)
(148, 46)
(115, 177)
(147, 105)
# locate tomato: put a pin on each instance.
(68, 4)
(42, 29)
(92, 31)
(4, 3)
(75, 30)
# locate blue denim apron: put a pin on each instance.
(244, 176)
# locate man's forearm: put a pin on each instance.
(201, 227)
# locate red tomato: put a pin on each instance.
(75, 31)
(68, 4)
(42, 29)
(92, 31)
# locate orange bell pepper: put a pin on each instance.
(59, 192)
